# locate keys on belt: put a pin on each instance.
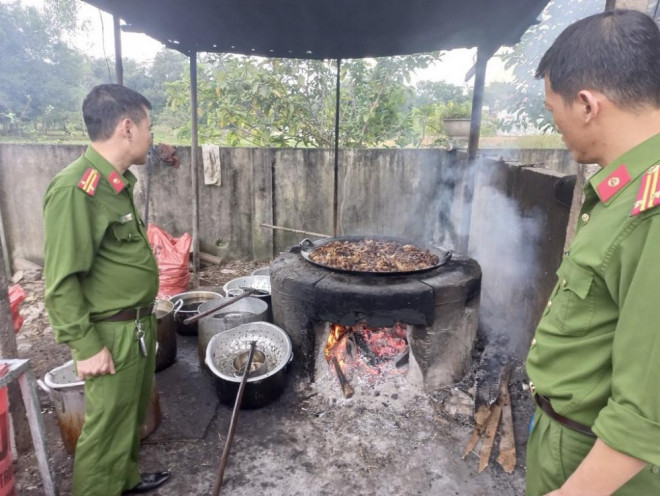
(134, 314)
(139, 333)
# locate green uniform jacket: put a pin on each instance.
(596, 353)
(98, 260)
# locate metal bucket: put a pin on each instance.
(67, 393)
(186, 305)
(261, 282)
(166, 332)
(248, 309)
(263, 271)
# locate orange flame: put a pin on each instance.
(373, 349)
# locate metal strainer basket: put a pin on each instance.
(271, 340)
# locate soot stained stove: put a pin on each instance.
(427, 319)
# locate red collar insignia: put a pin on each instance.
(609, 186)
(89, 181)
(116, 182)
(649, 191)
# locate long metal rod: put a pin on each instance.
(226, 303)
(193, 167)
(335, 201)
(288, 229)
(150, 166)
(119, 65)
(234, 421)
(477, 101)
(475, 127)
(3, 246)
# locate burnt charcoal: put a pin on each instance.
(487, 379)
(369, 356)
(402, 359)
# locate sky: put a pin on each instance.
(100, 42)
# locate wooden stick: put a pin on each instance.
(480, 419)
(345, 386)
(208, 258)
(233, 422)
(507, 456)
(491, 429)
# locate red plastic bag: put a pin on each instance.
(16, 297)
(173, 256)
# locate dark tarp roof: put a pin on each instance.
(326, 29)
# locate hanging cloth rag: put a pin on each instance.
(211, 160)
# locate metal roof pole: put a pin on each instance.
(336, 174)
(194, 167)
(119, 66)
(483, 55)
(478, 101)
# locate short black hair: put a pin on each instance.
(106, 104)
(615, 52)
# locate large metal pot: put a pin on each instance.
(248, 309)
(268, 381)
(260, 282)
(186, 305)
(263, 271)
(67, 393)
(166, 331)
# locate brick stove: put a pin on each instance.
(437, 311)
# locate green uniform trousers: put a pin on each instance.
(555, 451)
(106, 459)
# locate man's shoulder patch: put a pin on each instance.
(648, 195)
(613, 183)
(89, 181)
(116, 182)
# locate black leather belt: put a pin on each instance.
(544, 404)
(129, 314)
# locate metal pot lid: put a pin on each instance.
(271, 340)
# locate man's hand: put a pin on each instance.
(99, 364)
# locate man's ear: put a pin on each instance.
(590, 105)
(125, 128)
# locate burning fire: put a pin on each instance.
(372, 350)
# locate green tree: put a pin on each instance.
(526, 55)
(39, 74)
(286, 102)
(434, 92)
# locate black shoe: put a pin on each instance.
(150, 481)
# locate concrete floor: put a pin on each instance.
(389, 439)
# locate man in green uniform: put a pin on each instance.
(594, 363)
(101, 281)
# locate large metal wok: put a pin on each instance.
(307, 248)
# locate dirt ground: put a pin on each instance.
(389, 439)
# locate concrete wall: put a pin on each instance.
(25, 172)
(407, 193)
(517, 231)
(556, 159)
